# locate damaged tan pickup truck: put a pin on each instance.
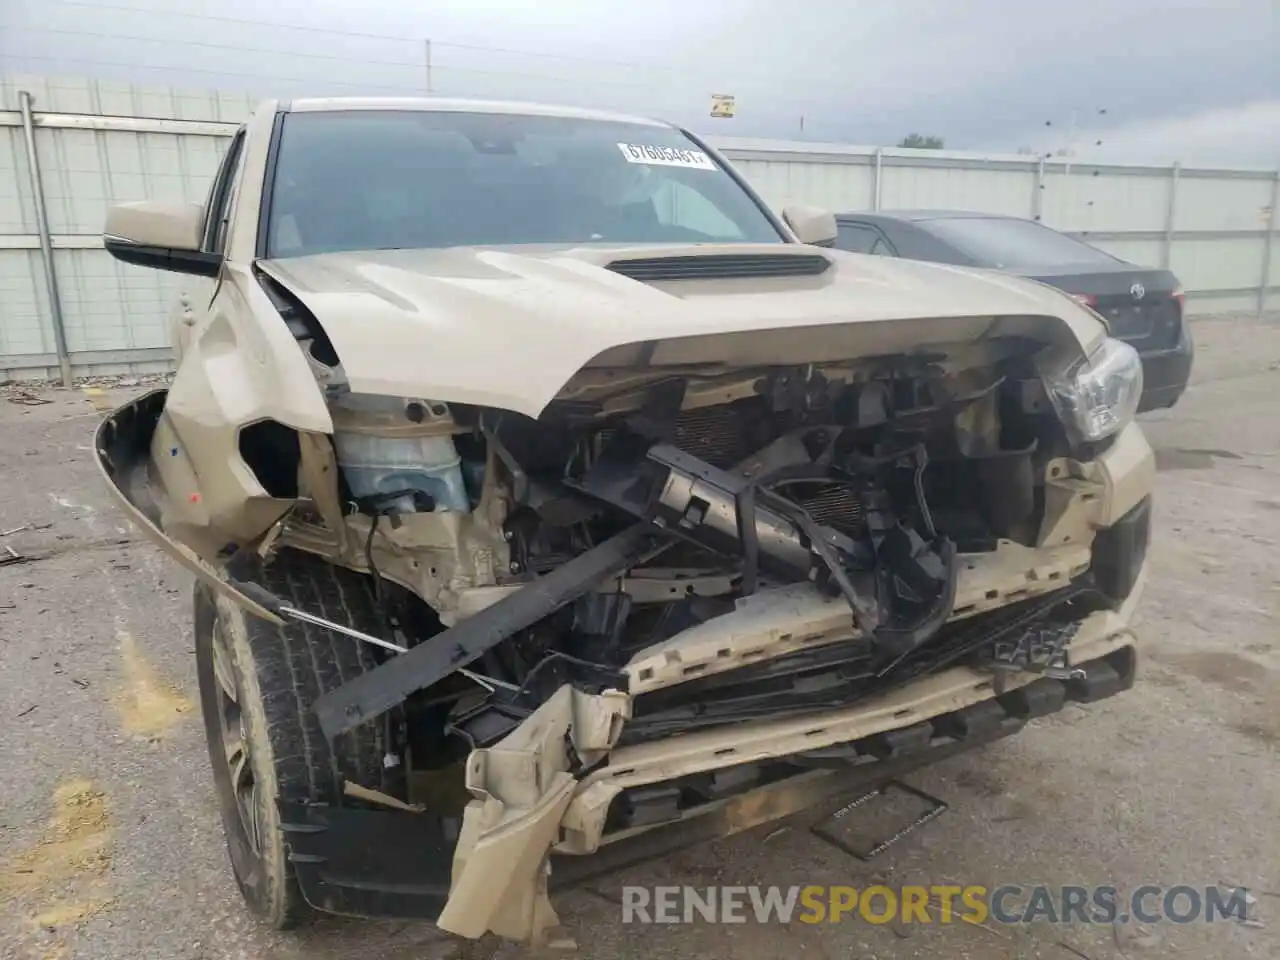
(553, 502)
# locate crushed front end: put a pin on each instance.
(720, 581)
(689, 592)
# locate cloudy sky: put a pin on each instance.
(1153, 80)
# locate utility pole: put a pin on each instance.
(1068, 150)
(426, 49)
(1071, 142)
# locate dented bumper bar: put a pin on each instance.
(542, 795)
(387, 863)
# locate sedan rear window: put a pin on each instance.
(386, 179)
(1009, 244)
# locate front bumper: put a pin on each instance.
(540, 828)
(374, 863)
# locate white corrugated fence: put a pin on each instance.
(98, 143)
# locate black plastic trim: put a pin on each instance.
(269, 185)
(198, 263)
(227, 169)
(370, 863)
(721, 266)
(1119, 551)
(1037, 699)
(373, 693)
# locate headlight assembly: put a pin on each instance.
(1096, 396)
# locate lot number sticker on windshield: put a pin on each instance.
(666, 156)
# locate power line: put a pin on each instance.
(409, 85)
(758, 83)
(403, 89)
(409, 88)
(93, 5)
(238, 48)
(332, 31)
(264, 78)
(415, 64)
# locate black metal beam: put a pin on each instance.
(372, 694)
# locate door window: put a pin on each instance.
(222, 196)
(881, 248)
(863, 238)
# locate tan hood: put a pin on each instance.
(508, 327)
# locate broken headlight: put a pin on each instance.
(1097, 395)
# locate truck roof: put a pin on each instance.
(445, 104)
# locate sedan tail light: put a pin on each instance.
(1088, 299)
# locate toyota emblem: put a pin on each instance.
(1137, 291)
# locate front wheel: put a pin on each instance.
(258, 684)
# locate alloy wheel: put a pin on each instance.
(235, 738)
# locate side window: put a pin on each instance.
(881, 248)
(864, 238)
(856, 237)
(222, 195)
(679, 205)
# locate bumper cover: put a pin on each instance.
(542, 795)
(1165, 374)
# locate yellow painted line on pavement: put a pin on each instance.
(98, 397)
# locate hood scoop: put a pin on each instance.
(721, 266)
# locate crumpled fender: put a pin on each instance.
(240, 366)
(522, 786)
(171, 458)
(122, 451)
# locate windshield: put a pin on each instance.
(1008, 244)
(376, 180)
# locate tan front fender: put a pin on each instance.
(122, 451)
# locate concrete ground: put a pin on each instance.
(110, 845)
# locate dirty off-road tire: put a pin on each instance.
(258, 683)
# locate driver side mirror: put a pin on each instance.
(164, 236)
(811, 225)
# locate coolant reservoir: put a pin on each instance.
(390, 445)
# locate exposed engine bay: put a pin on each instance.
(678, 586)
(642, 505)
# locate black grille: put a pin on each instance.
(833, 504)
(721, 266)
(727, 434)
(720, 435)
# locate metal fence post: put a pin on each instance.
(1170, 216)
(46, 241)
(876, 179)
(1037, 198)
(1267, 240)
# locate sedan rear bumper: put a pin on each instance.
(1165, 374)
